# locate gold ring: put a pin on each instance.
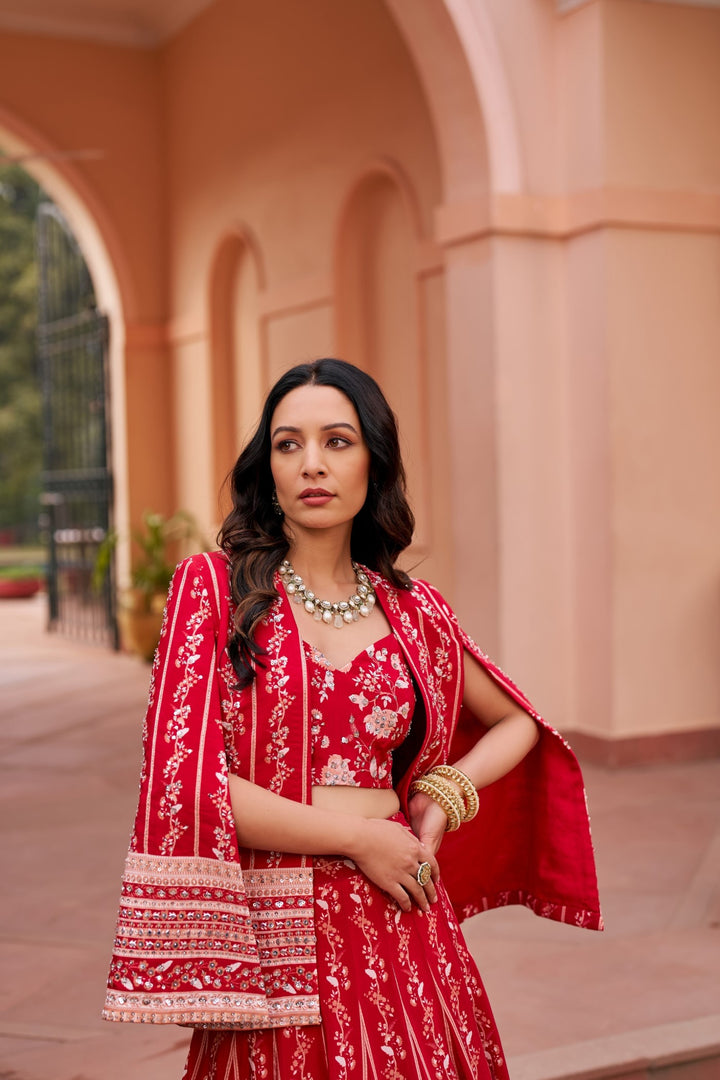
(424, 874)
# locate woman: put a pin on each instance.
(282, 893)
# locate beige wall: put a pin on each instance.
(662, 381)
(510, 216)
(663, 117)
(664, 348)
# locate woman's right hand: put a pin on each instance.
(389, 854)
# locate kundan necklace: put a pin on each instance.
(360, 603)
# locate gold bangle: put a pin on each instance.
(450, 791)
(471, 801)
(448, 801)
(469, 791)
(450, 807)
(439, 783)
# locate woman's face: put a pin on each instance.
(318, 457)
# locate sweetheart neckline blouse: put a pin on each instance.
(359, 714)
(319, 655)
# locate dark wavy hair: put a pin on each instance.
(252, 534)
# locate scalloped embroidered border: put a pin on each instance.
(213, 1010)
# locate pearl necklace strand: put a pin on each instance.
(360, 603)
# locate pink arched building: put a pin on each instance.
(508, 211)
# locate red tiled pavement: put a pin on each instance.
(568, 1002)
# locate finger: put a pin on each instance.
(400, 896)
(417, 893)
(431, 892)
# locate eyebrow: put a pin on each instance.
(326, 427)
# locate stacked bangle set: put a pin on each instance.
(452, 790)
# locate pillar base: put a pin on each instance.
(665, 748)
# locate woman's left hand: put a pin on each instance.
(427, 820)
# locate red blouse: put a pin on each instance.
(359, 714)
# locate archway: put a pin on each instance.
(455, 50)
(68, 191)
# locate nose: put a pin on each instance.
(313, 461)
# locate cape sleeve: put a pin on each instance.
(185, 950)
(530, 842)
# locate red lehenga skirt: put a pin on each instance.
(401, 999)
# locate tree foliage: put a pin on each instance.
(20, 395)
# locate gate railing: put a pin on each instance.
(77, 482)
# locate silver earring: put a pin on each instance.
(276, 505)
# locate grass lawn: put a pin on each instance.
(18, 561)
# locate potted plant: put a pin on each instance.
(20, 581)
(140, 607)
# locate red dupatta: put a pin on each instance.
(213, 935)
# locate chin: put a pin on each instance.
(315, 519)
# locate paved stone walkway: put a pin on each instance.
(569, 1003)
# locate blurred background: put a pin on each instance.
(508, 211)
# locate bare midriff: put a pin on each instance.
(367, 802)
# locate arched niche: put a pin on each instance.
(236, 376)
(380, 324)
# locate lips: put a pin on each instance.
(315, 496)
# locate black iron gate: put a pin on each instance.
(77, 482)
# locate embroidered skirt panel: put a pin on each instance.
(401, 999)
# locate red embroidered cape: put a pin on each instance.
(213, 935)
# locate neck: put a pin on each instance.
(322, 558)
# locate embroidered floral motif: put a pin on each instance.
(178, 721)
(382, 722)
(233, 711)
(337, 771)
(276, 748)
(154, 671)
(225, 846)
(322, 677)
